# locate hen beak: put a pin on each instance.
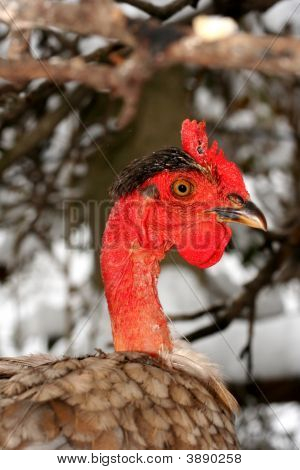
(249, 214)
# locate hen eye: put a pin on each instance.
(236, 199)
(182, 188)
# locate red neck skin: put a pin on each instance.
(130, 269)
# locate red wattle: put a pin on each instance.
(205, 247)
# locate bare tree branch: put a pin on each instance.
(124, 80)
(248, 348)
(88, 17)
(239, 51)
(272, 55)
(42, 130)
(276, 56)
(214, 309)
(267, 391)
(236, 8)
(99, 77)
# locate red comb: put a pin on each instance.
(194, 138)
(195, 142)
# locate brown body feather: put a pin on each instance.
(114, 401)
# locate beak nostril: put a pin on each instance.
(249, 214)
(236, 199)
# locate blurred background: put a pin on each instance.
(87, 86)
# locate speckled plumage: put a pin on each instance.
(114, 401)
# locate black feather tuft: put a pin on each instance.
(139, 170)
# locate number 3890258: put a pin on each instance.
(213, 458)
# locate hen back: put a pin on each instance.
(114, 401)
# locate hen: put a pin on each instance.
(151, 393)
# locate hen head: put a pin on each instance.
(186, 198)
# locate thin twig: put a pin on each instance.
(214, 309)
(247, 350)
(42, 130)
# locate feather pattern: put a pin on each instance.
(115, 401)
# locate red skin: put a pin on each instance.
(140, 231)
